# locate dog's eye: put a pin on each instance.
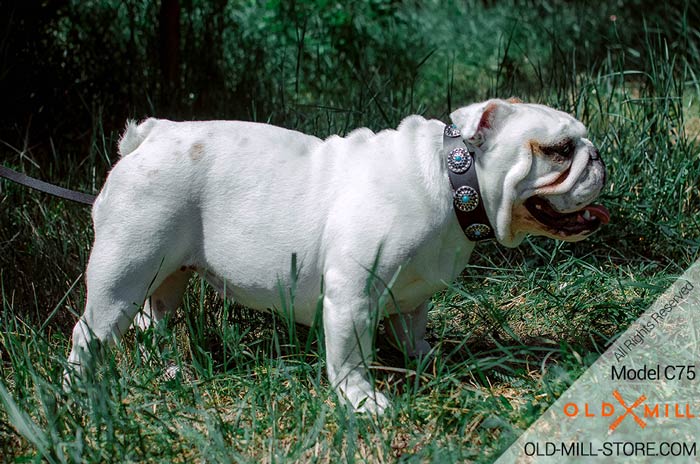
(567, 148)
(562, 151)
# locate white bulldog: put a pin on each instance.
(233, 201)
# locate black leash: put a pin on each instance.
(45, 187)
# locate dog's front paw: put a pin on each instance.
(373, 402)
(362, 397)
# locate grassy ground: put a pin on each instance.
(515, 330)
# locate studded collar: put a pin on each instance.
(466, 194)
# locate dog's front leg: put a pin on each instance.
(349, 328)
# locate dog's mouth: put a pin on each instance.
(582, 222)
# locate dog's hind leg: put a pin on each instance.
(164, 300)
(144, 227)
(120, 276)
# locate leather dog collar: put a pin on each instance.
(465, 185)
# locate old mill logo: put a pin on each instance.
(637, 411)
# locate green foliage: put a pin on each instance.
(510, 335)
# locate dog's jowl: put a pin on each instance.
(233, 201)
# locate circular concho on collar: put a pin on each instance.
(477, 231)
(459, 160)
(466, 198)
(451, 131)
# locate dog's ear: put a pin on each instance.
(476, 122)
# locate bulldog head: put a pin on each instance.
(539, 174)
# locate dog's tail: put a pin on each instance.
(134, 135)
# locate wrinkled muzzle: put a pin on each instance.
(565, 208)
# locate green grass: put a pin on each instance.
(513, 333)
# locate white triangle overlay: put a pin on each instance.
(663, 426)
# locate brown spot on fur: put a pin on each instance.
(514, 100)
(535, 147)
(196, 151)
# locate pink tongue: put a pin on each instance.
(599, 211)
